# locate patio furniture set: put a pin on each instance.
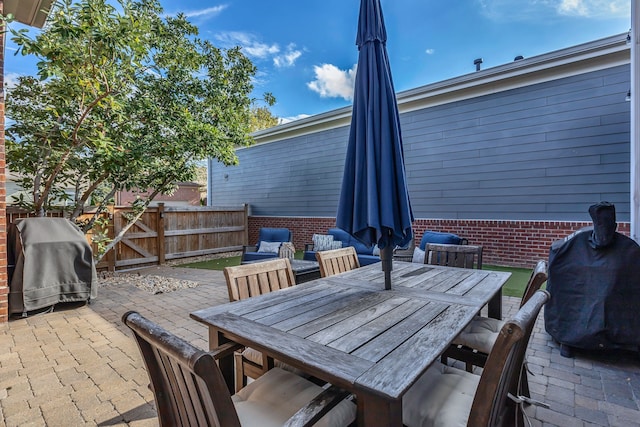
(350, 350)
(340, 349)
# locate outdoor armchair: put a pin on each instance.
(249, 280)
(447, 396)
(337, 261)
(268, 245)
(189, 389)
(475, 342)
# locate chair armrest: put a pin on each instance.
(308, 247)
(225, 350)
(311, 413)
(249, 248)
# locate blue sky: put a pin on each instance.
(305, 50)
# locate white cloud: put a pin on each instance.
(288, 58)
(283, 120)
(430, 51)
(332, 82)
(512, 10)
(10, 80)
(209, 12)
(594, 8)
(249, 43)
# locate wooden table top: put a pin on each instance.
(347, 330)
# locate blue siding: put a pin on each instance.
(542, 152)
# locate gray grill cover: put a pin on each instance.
(594, 282)
(53, 263)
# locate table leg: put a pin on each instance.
(226, 365)
(376, 411)
(495, 305)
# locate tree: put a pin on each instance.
(126, 99)
(262, 118)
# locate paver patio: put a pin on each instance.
(78, 365)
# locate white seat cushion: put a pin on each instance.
(480, 334)
(255, 356)
(441, 397)
(273, 398)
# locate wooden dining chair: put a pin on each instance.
(475, 342)
(463, 256)
(448, 396)
(337, 261)
(249, 280)
(244, 281)
(189, 389)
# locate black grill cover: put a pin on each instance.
(594, 281)
(52, 263)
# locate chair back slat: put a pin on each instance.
(501, 374)
(187, 384)
(462, 256)
(337, 261)
(537, 279)
(245, 281)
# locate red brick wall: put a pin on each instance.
(506, 243)
(4, 286)
(184, 193)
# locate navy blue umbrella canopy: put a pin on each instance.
(374, 202)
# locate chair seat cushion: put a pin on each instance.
(273, 398)
(442, 397)
(256, 256)
(480, 334)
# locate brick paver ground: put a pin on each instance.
(78, 366)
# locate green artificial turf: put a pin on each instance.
(513, 288)
(516, 283)
(221, 263)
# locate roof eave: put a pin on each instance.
(29, 12)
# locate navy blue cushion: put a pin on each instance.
(274, 235)
(348, 240)
(367, 259)
(255, 256)
(438, 237)
(309, 256)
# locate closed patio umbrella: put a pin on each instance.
(374, 202)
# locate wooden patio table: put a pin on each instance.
(347, 330)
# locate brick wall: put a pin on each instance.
(506, 243)
(186, 192)
(4, 286)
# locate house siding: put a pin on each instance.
(542, 152)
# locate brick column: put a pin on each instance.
(4, 285)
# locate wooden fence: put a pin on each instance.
(165, 233)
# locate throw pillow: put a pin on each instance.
(376, 250)
(322, 242)
(269, 247)
(336, 244)
(418, 256)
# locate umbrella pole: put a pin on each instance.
(386, 256)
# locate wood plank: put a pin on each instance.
(345, 298)
(175, 255)
(337, 367)
(395, 373)
(366, 301)
(290, 304)
(142, 251)
(380, 347)
(371, 330)
(358, 319)
(198, 231)
(310, 312)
